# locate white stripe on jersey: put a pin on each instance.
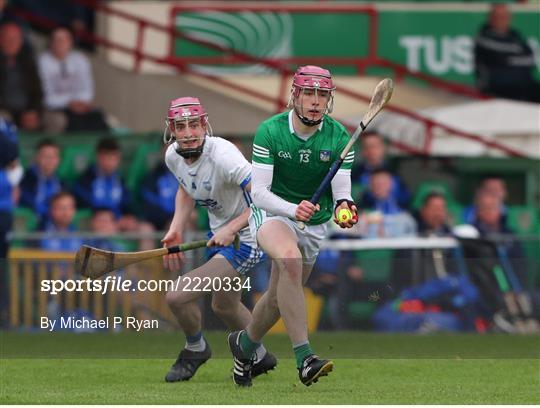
(263, 166)
(261, 151)
(260, 148)
(264, 156)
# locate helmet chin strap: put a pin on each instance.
(306, 121)
(193, 153)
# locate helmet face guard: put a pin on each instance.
(311, 79)
(181, 114)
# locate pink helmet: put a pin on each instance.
(186, 108)
(311, 77)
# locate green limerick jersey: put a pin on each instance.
(300, 165)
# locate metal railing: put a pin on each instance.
(281, 66)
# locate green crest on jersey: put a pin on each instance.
(324, 155)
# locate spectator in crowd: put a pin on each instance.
(20, 86)
(385, 218)
(432, 285)
(491, 185)
(103, 222)
(10, 174)
(68, 87)
(491, 225)
(7, 15)
(101, 186)
(489, 216)
(61, 12)
(415, 266)
(504, 62)
(373, 158)
(41, 182)
(158, 194)
(420, 264)
(432, 218)
(62, 210)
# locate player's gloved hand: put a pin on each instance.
(305, 210)
(172, 262)
(348, 205)
(224, 237)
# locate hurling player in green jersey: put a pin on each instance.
(292, 152)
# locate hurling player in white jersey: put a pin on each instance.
(213, 173)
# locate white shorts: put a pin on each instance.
(309, 239)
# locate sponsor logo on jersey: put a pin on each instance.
(212, 205)
(207, 186)
(284, 155)
(324, 155)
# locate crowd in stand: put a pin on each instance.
(99, 188)
(53, 92)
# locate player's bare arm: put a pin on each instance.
(184, 205)
(225, 236)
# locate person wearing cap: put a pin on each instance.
(213, 173)
(292, 153)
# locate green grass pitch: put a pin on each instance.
(128, 368)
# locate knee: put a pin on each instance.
(221, 309)
(291, 255)
(272, 301)
(174, 300)
(292, 267)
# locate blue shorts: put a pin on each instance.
(242, 259)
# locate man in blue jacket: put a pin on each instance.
(10, 176)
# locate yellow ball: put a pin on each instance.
(344, 215)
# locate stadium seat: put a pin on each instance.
(82, 219)
(376, 264)
(24, 219)
(145, 158)
(428, 187)
(75, 159)
(455, 214)
(361, 311)
(522, 220)
(377, 267)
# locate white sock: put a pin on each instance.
(260, 352)
(196, 346)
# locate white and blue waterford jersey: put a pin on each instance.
(217, 181)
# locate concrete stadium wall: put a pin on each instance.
(140, 101)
